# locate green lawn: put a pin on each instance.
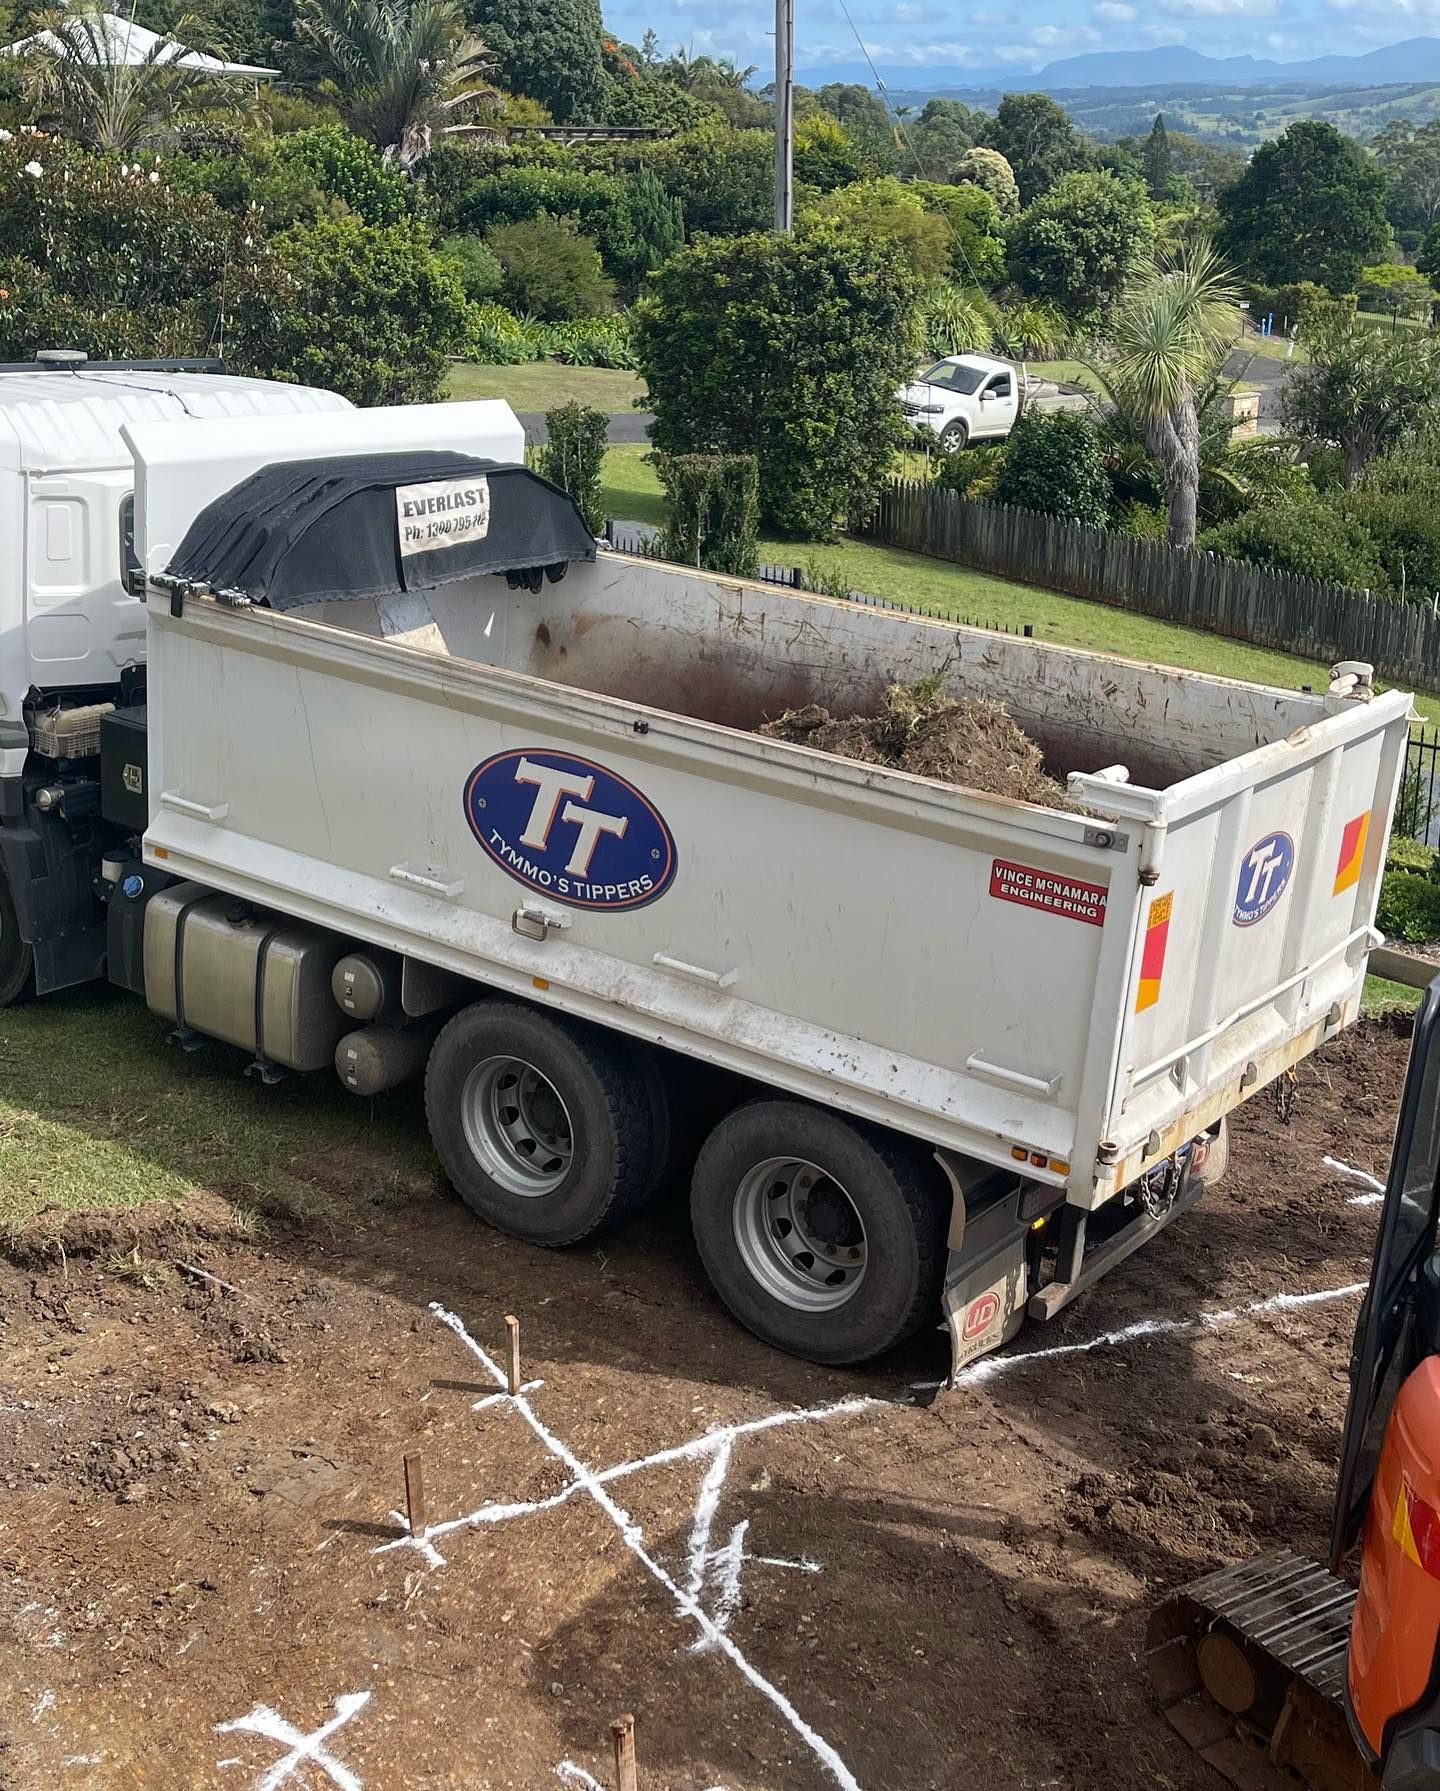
(541, 385)
(97, 1109)
(1074, 373)
(631, 491)
(1384, 997)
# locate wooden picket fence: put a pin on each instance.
(1309, 616)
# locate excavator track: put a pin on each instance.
(1249, 1665)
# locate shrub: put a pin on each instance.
(499, 338)
(791, 348)
(1391, 286)
(551, 269)
(712, 511)
(592, 342)
(513, 194)
(971, 472)
(369, 312)
(573, 457)
(1405, 854)
(474, 264)
(724, 179)
(1409, 907)
(1405, 528)
(977, 249)
(1148, 521)
(1079, 243)
(884, 211)
(339, 163)
(1053, 464)
(98, 255)
(826, 155)
(1312, 540)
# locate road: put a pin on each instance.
(625, 425)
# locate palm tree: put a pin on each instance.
(402, 71)
(1173, 331)
(115, 85)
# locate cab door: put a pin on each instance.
(995, 409)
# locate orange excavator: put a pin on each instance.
(1279, 1670)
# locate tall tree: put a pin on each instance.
(988, 169)
(1036, 137)
(1410, 157)
(938, 138)
(402, 71)
(1079, 243)
(81, 71)
(1157, 162)
(548, 50)
(1310, 206)
(1362, 387)
(1172, 332)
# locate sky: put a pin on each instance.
(1023, 37)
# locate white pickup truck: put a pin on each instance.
(429, 783)
(964, 398)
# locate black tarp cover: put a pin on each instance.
(372, 525)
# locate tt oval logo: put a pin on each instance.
(1264, 872)
(979, 1316)
(570, 829)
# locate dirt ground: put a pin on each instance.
(199, 1585)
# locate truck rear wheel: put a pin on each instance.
(824, 1237)
(17, 961)
(547, 1128)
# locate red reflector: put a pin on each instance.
(1039, 1159)
(1416, 1528)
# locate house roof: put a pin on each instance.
(134, 45)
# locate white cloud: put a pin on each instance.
(1113, 12)
(1063, 37)
(992, 16)
(1215, 9)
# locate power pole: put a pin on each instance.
(784, 115)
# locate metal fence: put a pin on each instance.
(1417, 812)
(1309, 616)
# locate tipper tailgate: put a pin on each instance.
(1253, 936)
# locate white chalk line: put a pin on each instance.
(632, 1536)
(262, 1720)
(990, 1367)
(1376, 1187)
(577, 1775)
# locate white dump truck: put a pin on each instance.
(335, 736)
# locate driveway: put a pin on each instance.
(625, 425)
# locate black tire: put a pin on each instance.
(17, 961)
(609, 1108)
(955, 435)
(891, 1189)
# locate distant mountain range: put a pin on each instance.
(1416, 60)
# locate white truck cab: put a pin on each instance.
(964, 398)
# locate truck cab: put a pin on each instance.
(72, 624)
(964, 398)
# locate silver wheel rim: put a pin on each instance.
(799, 1234)
(517, 1126)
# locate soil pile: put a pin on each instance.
(967, 741)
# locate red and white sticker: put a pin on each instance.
(1032, 888)
(979, 1324)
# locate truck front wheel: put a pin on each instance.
(17, 961)
(547, 1128)
(824, 1237)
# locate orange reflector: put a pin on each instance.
(1019, 1152)
(1037, 1225)
(540, 982)
(1352, 852)
(1039, 1159)
(160, 852)
(1416, 1528)
(1152, 953)
(1059, 1167)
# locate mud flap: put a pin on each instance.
(984, 1304)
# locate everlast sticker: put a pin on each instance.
(446, 513)
(1033, 888)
